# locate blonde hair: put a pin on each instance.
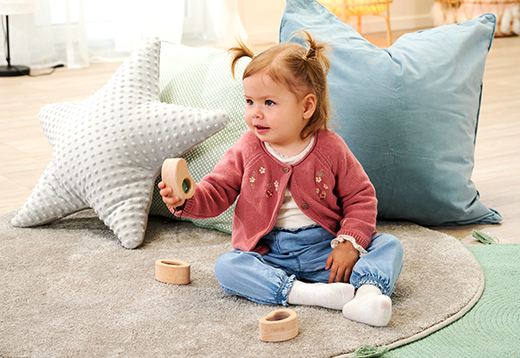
(300, 69)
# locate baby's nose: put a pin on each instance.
(257, 112)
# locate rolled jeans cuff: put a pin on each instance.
(374, 281)
(285, 287)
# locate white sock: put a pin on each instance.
(328, 295)
(369, 306)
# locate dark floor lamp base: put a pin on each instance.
(11, 71)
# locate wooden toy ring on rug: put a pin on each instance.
(175, 175)
(172, 271)
(280, 325)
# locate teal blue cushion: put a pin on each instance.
(409, 113)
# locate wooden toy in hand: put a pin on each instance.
(176, 176)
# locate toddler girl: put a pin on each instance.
(304, 222)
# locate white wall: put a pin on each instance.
(261, 19)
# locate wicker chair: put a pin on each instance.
(345, 9)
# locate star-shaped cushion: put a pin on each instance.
(109, 148)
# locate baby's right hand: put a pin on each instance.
(168, 197)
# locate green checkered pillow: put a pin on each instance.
(201, 78)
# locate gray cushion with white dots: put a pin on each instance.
(201, 77)
(109, 148)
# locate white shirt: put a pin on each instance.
(290, 216)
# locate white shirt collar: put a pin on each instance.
(293, 159)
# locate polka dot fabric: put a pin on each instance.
(109, 148)
(201, 78)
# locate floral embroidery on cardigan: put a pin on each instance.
(252, 180)
(269, 192)
(321, 192)
(271, 187)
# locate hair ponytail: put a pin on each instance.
(316, 50)
(237, 52)
(313, 71)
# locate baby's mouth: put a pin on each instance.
(261, 129)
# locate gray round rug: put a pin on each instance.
(70, 289)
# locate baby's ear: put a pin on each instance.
(309, 106)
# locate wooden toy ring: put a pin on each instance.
(175, 175)
(280, 325)
(172, 271)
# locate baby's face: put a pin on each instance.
(274, 113)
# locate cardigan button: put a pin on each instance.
(286, 169)
(305, 206)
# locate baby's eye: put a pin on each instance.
(269, 102)
(249, 102)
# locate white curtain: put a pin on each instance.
(213, 22)
(78, 32)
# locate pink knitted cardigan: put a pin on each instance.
(328, 184)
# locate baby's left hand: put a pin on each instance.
(341, 261)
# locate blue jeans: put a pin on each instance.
(302, 254)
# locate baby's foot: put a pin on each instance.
(328, 295)
(369, 306)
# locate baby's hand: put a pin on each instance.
(341, 262)
(168, 197)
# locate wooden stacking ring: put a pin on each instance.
(280, 325)
(175, 175)
(172, 271)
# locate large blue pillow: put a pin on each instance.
(409, 113)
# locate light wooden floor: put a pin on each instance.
(25, 153)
